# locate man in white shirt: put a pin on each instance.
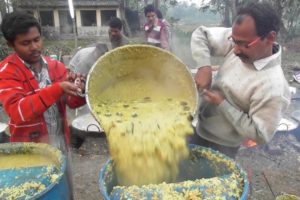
(84, 59)
(249, 94)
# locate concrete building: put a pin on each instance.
(91, 16)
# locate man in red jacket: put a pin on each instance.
(35, 89)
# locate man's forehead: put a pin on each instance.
(114, 29)
(32, 33)
(244, 25)
(150, 13)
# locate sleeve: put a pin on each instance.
(71, 101)
(75, 102)
(145, 34)
(168, 28)
(22, 106)
(164, 40)
(207, 42)
(261, 122)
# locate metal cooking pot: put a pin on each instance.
(170, 77)
(86, 126)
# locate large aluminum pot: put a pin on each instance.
(169, 77)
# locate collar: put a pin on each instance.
(261, 63)
(42, 60)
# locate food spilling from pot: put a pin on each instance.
(144, 99)
(145, 108)
(147, 140)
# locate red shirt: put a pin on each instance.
(25, 102)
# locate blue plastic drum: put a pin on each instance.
(203, 163)
(45, 182)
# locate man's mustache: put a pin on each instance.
(35, 52)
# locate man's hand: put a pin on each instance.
(78, 79)
(72, 76)
(212, 96)
(203, 78)
(70, 88)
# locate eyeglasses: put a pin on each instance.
(243, 44)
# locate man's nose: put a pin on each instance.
(34, 45)
(237, 49)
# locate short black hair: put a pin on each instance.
(115, 23)
(265, 17)
(159, 14)
(18, 22)
(149, 8)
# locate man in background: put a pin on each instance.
(116, 36)
(84, 59)
(156, 33)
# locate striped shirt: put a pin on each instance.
(52, 117)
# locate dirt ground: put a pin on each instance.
(86, 164)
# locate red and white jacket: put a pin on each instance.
(25, 102)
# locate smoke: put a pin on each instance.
(180, 42)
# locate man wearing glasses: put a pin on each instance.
(249, 94)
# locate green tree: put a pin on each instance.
(226, 8)
(288, 11)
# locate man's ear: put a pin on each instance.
(271, 37)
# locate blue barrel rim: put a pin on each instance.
(62, 167)
(244, 195)
(101, 177)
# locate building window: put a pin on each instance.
(65, 22)
(47, 18)
(106, 15)
(88, 17)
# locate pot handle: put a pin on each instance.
(87, 128)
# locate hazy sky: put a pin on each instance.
(197, 2)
